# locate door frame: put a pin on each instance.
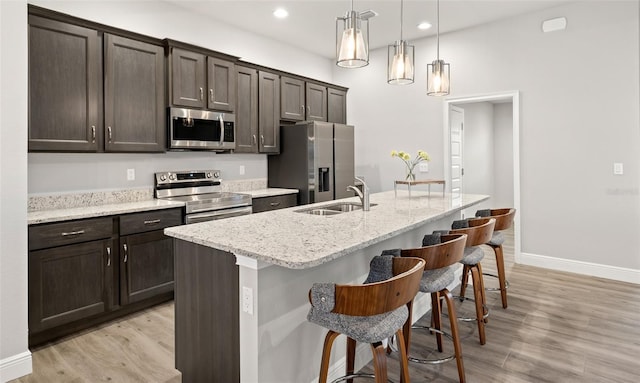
(514, 97)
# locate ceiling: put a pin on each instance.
(311, 24)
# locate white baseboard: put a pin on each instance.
(586, 268)
(15, 366)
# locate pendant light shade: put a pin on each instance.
(400, 68)
(352, 40)
(438, 76)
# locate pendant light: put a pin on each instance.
(352, 40)
(400, 59)
(438, 71)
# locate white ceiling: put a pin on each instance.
(311, 23)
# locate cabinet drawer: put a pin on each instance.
(273, 203)
(149, 220)
(66, 233)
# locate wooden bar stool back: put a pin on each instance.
(368, 313)
(504, 220)
(479, 232)
(438, 274)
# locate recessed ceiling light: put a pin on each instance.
(280, 13)
(424, 25)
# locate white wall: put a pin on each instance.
(502, 195)
(15, 359)
(579, 114)
(49, 173)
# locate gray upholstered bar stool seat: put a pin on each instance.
(504, 220)
(368, 313)
(440, 253)
(479, 232)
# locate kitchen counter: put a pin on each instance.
(269, 192)
(297, 241)
(67, 214)
(242, 283)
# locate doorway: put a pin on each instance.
(451, 113)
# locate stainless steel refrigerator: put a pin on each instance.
(316, 158)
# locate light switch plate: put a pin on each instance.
(242, 170)
(247, 300)
(131, 174)
(424, 167)
(618, 169)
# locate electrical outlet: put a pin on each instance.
(241, 170)
(618, 169)
(131, 174)
(247, 300)
(424, 167)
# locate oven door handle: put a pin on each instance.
(218, 214)
(196, 209)
(221, 119)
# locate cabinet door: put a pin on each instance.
(146, 267)
(262, 204)
(291, 99)
(336, 106)
(316, 102)
(69, 283)
(269, 102)
(134, 96)
(221, 81)
(65, 69)
(247, 110)
(188, 78)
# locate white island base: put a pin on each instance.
(242, 284)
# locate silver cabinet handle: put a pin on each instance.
(201, 94)
(302, 108)
(262, 139)
(308, 110)
(93, 133)
(255, 141)
(211, 94)
(274, 204)
(109, 133)
(152, 221)
(108, 256)
(126, 255)
(66, 234)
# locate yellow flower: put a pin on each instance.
(406, 156)
(394, 153)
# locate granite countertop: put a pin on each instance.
(298, 241)
(67, 214)
(269, 192)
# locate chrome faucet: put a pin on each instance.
(364, 194)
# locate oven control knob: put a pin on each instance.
(172, 177)
(163, 177)
(216, 175)
(209, 175)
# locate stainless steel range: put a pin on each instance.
(201, 192)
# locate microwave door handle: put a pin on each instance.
(221, 119)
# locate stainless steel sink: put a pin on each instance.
(333, 209)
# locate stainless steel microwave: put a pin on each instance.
(201, 129)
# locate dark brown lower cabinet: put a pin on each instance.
(146, 266)
(69, 283)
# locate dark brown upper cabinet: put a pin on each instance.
(336, 106)
(67, 109)
(316, 96)
(292, 92)
(65, 87)
(201, 81)
(257, 111)
(134, 96)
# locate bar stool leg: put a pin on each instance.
(465, 280)
(478, 292)
(380, 361)
(501, 275)
(326, 355)
(351, 357)
(455, 334)
(436, 317)
(404, 358)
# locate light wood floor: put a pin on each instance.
(559, 327)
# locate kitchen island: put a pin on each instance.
(242, 283)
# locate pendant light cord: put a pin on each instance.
(401, 17)
(438, 30)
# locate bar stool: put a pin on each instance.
(504, 220)
(440, 253)
(479, 232)
(368, 313)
